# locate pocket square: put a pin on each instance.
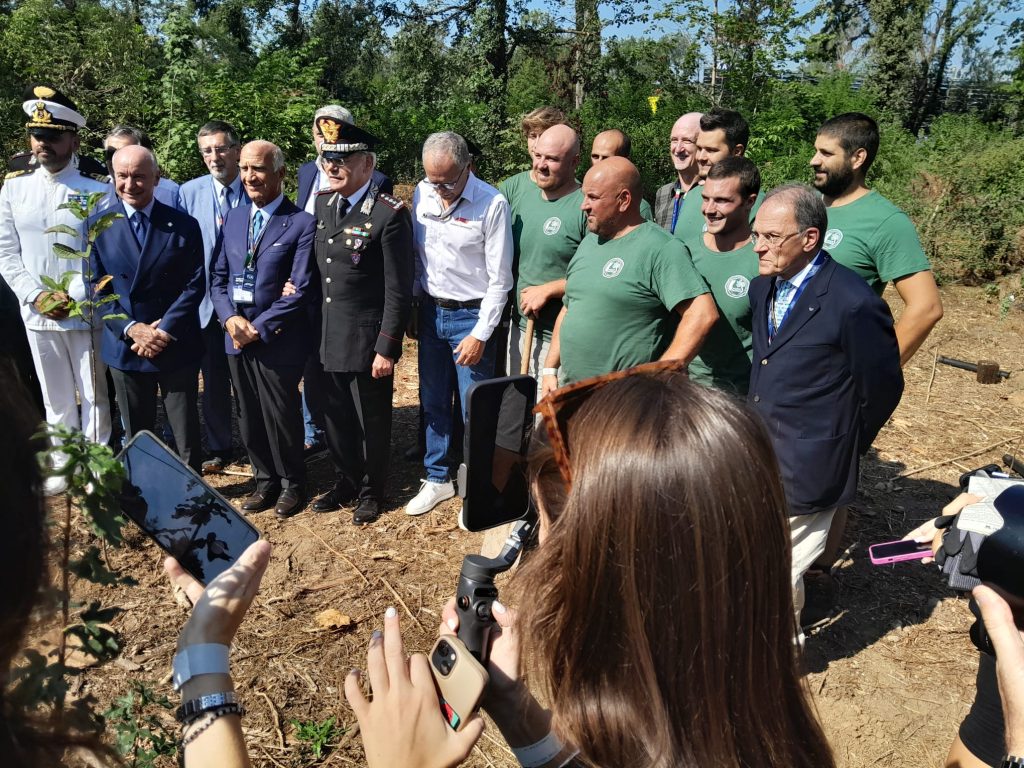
(276, 244)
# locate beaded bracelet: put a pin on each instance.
(214, 715)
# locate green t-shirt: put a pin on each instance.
(546, 234)
(621, 297)
(691, 225)
(875, 239)
(724, 360)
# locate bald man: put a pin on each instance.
(615, 143)
(154, 259)
(267, 336)
(682, 148)
(632, 294)
(547, 227)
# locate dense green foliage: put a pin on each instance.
(407, 69)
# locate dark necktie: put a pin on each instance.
(342, 209)
(139, 227)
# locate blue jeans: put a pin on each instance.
(441, 330)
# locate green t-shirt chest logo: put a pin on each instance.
(736, 287)
(833, 237)
(552, 225)
(613, 268)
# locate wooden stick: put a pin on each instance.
(910, 472)
(398, 597)
(355, 568)
(524, 366)
(276, 716)
(935, 362)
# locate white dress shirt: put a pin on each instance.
(464, 252)
(319, 184)
(28, 207)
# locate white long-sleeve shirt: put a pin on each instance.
(28, 207)
(464, 252)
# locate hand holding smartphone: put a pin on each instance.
(899, 551)
(460, 680)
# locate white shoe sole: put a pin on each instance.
(417, 512)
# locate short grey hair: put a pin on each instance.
(806, 204)
(336, 111)
(277, 157)
(448, 144)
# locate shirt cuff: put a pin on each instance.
(127, 326)
(481, 332)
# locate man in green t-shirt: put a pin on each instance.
(724, 256)
(632, 294)
(547, 227)
(616, 143)
(723, 133)
(869, 234)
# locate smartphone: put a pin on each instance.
(175, 507)
(460, 680)
(499, 426)
(899, 551)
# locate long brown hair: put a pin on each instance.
(660, 618)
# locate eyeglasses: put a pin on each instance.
(218, 150)
(772, 241)
(559, 407)
(342, 161)
(447, 186)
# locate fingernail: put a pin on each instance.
(451, 624)
(390, 613)
(498, 607)
(376, 636)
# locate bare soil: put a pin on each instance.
(892, 673)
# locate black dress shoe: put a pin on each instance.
(339, 496)
(367, 511)
(215, 463)
(260, 500)
(290, 502)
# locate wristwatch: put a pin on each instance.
(193, 708)
(548, 371)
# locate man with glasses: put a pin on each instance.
(463, 241)
(363, 248)
(208, 200)
(826, 366)
(670, 198)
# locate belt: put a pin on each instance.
(452, 304)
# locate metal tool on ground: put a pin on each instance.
(1013, 463)
(524, 366)
(987, 370)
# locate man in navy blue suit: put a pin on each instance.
(313, 180)
(826, 366)
(154, 257)
(208, 200)
(269, 336)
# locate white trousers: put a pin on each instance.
(64, 362)
(808, 534)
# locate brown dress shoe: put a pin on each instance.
(290, 502)
(260, 500)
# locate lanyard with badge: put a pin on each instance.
(678, 197)
(243, 286)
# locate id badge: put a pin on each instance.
(243, 287)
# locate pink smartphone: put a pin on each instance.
(899, 551)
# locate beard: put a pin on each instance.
(836, 181)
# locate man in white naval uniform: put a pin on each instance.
(64, 350)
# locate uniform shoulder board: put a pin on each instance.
(16, 174)
(392, 202)
(100, 177)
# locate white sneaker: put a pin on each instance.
(55, 485)
(430, 495)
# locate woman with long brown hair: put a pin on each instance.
(656, 615)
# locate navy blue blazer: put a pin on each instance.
(307, 177)
(284, 252)
(826, 384)
(163, 280)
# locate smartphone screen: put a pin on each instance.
(179, 511)
(498, 432)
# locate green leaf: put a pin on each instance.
(63, 229)
(66, 252)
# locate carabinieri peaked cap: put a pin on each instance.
(49, 109)
(341, 138)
